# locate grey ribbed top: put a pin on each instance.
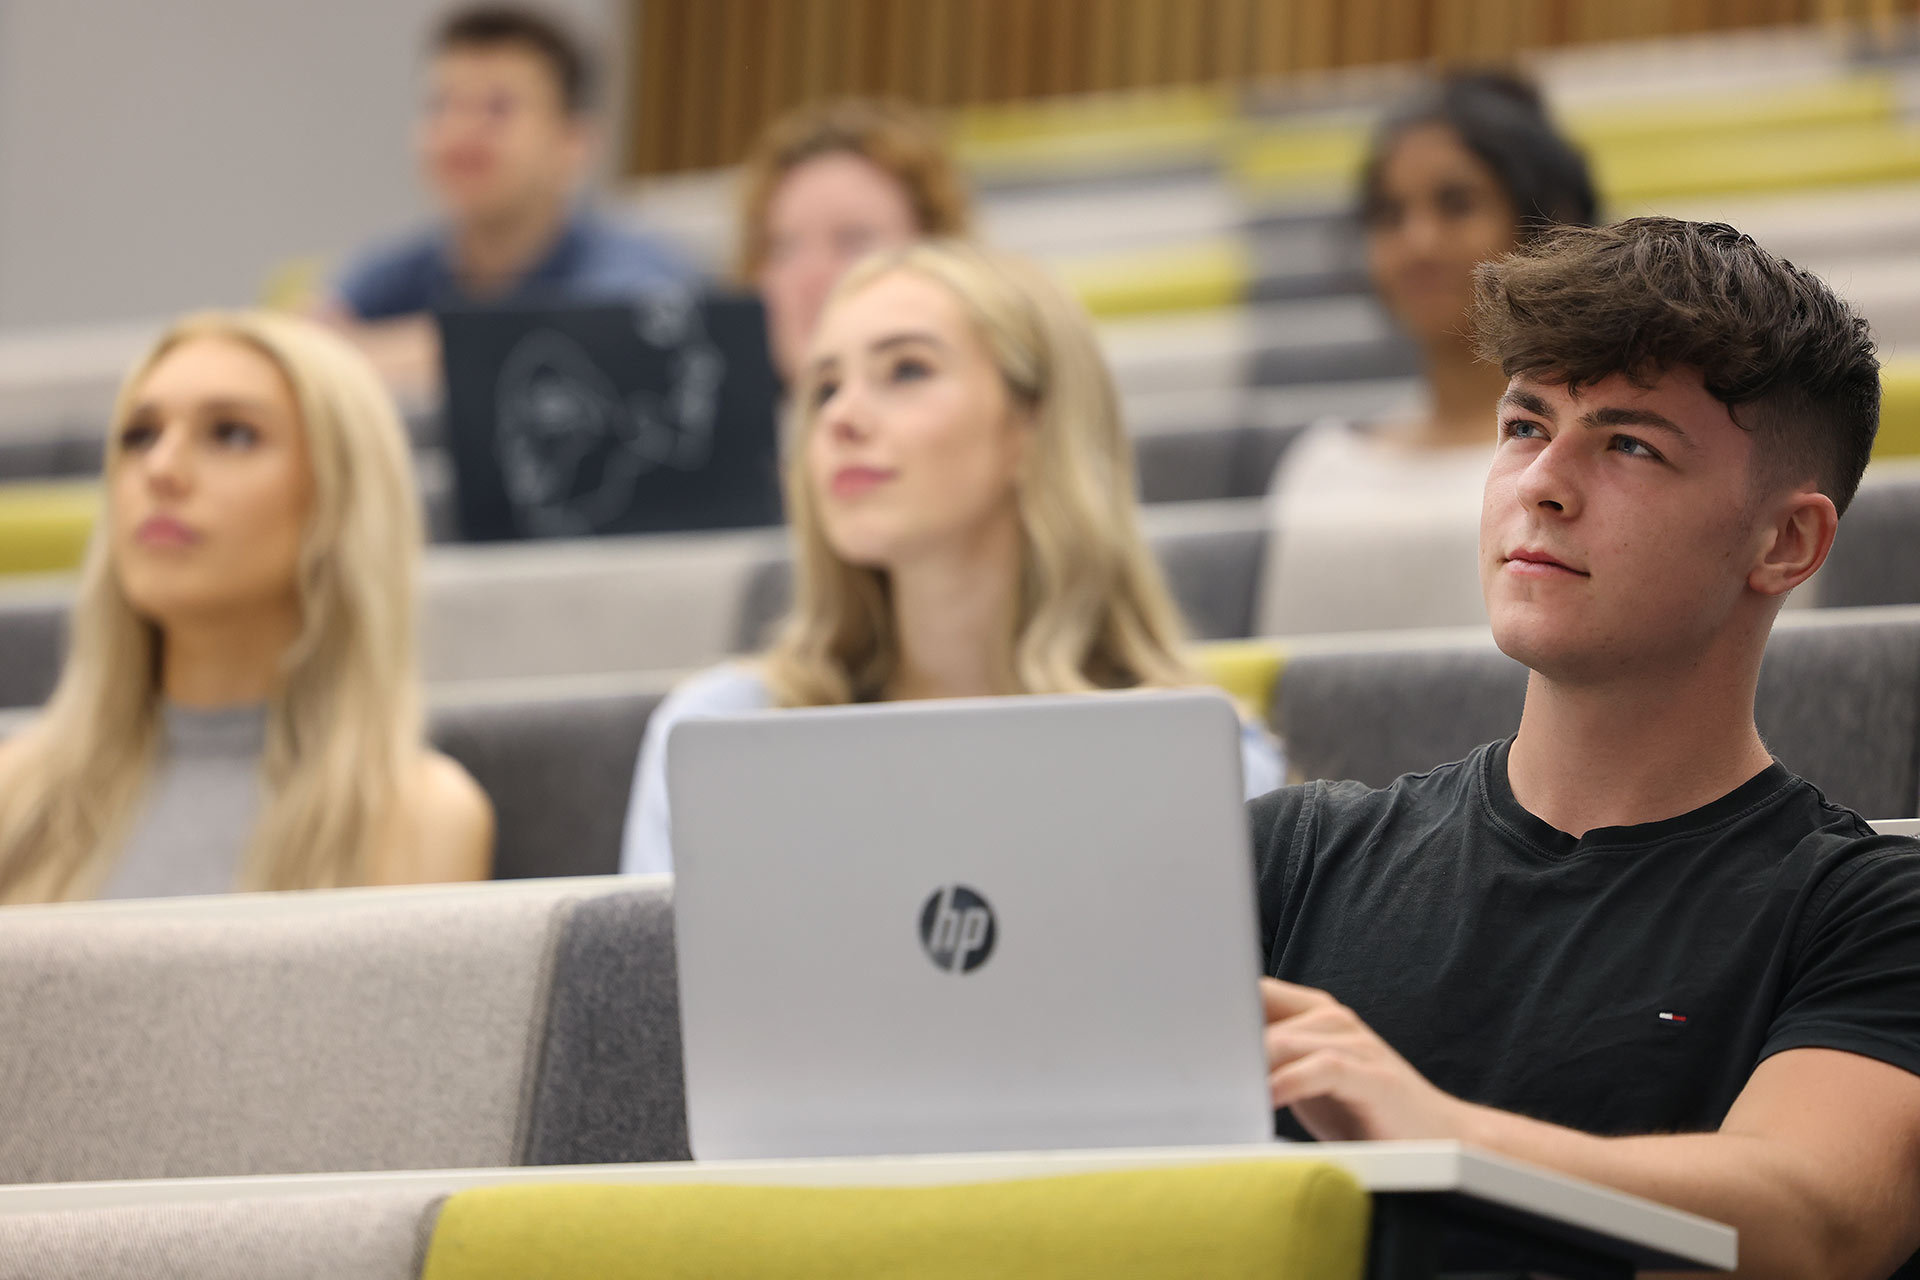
(200, 806)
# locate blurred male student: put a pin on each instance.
(506, 138)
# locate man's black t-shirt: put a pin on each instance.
(1625, 982)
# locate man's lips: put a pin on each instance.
(1531, 563)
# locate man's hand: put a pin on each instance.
(1342, 1081)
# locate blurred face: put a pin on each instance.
(1619, 527)
(916, 445)
(826, 214)
(210, 487)
(1439, 212)
(495, 140)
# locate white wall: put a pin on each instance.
(157, 155)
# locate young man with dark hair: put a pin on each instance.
(506, 141)
(1627, 944)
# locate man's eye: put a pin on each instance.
(1635, 447)
(1521, 429)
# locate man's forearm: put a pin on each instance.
(1746, 1182)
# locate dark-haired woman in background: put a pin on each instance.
(1461, 172)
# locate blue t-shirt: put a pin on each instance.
(592, 259)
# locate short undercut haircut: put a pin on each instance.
(496, 26)
(1793, 363)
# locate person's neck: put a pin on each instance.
(1633, 750)
(954, 615)
(489, 255)
(230, 661)
(1463, 391)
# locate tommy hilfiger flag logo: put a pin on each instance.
(1673, 1017)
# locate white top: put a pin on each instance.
(733, 689)
(1371, 535)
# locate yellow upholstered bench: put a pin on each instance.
(44, 527)
(1899, 410)
(1247, 670)
(1272, 1219)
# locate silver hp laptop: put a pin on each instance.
(986, 924)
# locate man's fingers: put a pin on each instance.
(1288, 1040)
(1318, 1075)
(1287, 999)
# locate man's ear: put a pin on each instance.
(1796, 542)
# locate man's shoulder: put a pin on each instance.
(1838, 853)
(1333, 810)
(615, 255)
(395, 276)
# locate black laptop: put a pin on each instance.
(647, 416)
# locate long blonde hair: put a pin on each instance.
(1094, 612)
(343, 724)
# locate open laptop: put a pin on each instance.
(981, 924)
(653, 415)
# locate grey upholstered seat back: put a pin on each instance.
(610, 1087)
(361, 1236)
(1876, 556)
(1374, 715)
(1211, 553)
(559, 772)
(33, 637)
(293, 1035)
(1839, 704)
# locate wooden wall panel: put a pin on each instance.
(707, 75)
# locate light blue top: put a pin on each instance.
(733, 689)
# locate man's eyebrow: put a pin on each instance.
(1527, 401)
(1621, 416)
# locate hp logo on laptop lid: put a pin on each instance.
(957, 929)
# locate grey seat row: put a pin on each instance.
(460, 1027)
(1839, 703)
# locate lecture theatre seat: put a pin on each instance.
(558, 766)
(464, 1026)
(1302, 1221)
(1293, 1219)
(1211, 553)
(283, 1033)
(357, 1236)
(1876, 556)
(1838, 703)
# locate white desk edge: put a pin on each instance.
(1433, 1167)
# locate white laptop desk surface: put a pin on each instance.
(1564, 1208)
(981, 924)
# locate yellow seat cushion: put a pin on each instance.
(1899, 410)
(1189, 277)
(1247, 670)
(1272, 1219)
(44, 527)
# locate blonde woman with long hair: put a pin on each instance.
(960, 490)
(239, 707)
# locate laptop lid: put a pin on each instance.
(984, 924)
(646, 416)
